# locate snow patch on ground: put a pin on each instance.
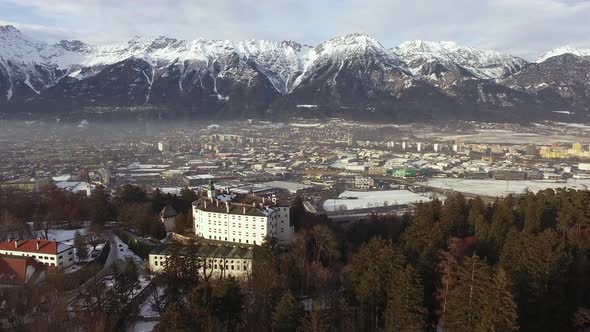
(124, 252)
(351, 200)
(72, 186)
(60, 178)
(65, 235)
(495, 188)
(141, 326)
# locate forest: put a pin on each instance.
(519, 263)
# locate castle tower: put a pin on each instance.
(211, 190)
(88, 186)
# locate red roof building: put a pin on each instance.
(17, 270)
(53, 254)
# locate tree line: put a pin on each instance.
(52, 207)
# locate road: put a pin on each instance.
(106, 269)
(116, 257)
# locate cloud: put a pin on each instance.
(522, 27)
(40, 32)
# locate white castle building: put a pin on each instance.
(225, 218)
(217, 260)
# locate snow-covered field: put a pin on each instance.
(73, 186)
(292, 187)
(65, 235)
(368, 199)
(502, 188)
(146, 309)
(502, 136)
(141, 326)
(136, 166)
(63, 177)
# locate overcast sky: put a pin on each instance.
(525, 28)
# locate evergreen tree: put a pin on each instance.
(448, 267)
(468, 298)
(454, 215)
(287, 314)
(129, 194)
(187, 197)
(477, 217)
(174, 319)
(181, 222)
(503, 219)
(499, 312)
(80, 246)
(226, 303)
(298, 213)
(405, 307)
(99, 208)
(158, 201)
(538, 266)
(180, 271)
(371, 272)
(316, 321)
(531, 213)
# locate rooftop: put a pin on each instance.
(219, 206)
(35, 246)
(211, 250)
(13, 270)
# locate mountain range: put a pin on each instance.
(352, 76)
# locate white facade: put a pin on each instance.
(284, 229)
(239, 223)
(163, 146)
(213, 266)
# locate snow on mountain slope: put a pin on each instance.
(564, 50)
(254, 77)
(483, 64)
(356, 48)
(279, 61)
(286, 64)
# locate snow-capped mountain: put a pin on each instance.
(584, 52)
(348, 75)
(482, 64)
(355, 59)
(342, 51)
(355, 72)
(561, 82)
